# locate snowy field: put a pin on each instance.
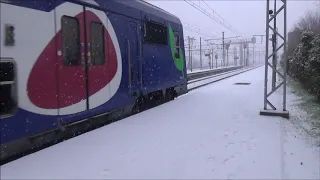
(214, 132)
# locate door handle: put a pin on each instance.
(89, 61)
(83, 62)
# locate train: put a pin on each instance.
(70, 62)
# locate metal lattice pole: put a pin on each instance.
(269, 17)
(274, 44)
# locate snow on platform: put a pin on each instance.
(214, 132)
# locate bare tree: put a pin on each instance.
(309, 22)
(318, 3)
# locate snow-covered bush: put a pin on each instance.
(314, 60)
(305, 63)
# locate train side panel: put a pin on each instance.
(62, 70)
(52, 89)
(182, 45)
(103, 63)
(23, 36)
(163, 65)
(117, 56)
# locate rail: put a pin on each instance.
(197, 75)
(198, 83)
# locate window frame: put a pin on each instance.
(145, 33)
(14, 87)
(103, 44)
(78, 42)
(177, 46)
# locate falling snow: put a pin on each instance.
(214, 132)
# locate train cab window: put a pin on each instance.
(155, 33)
(97, 43)
(70, 41)
(8, 97)
(176, 45)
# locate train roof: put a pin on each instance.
(144, 6)
(139, 5)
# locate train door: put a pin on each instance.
(134, 59)
(71, 60)
(83, 70)
(101, 55)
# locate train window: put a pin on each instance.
(8, 98)
(177, 53)
(97, 43)
(6, 71)
(156, 33)
(177, 45)
(70, 41)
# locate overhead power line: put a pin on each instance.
(215, 13)
(196, 27)
(199, 31)
(212, 16)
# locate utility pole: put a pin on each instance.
(211, 47)
(235, 56)
(200, 55)
(190, 42)
(212, 58)
(254, 55)
(216, 57)
(190, 61)
(270, 15)
(248, 54)
(223, 58)
(241, 54)
(274, 43)
(227, 47)
(245, 52)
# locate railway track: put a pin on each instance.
(200, 82)
(197, 75)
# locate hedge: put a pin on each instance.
(304, 65)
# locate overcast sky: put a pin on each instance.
(247, 17)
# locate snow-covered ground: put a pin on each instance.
(214, 132)
(306, 108)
